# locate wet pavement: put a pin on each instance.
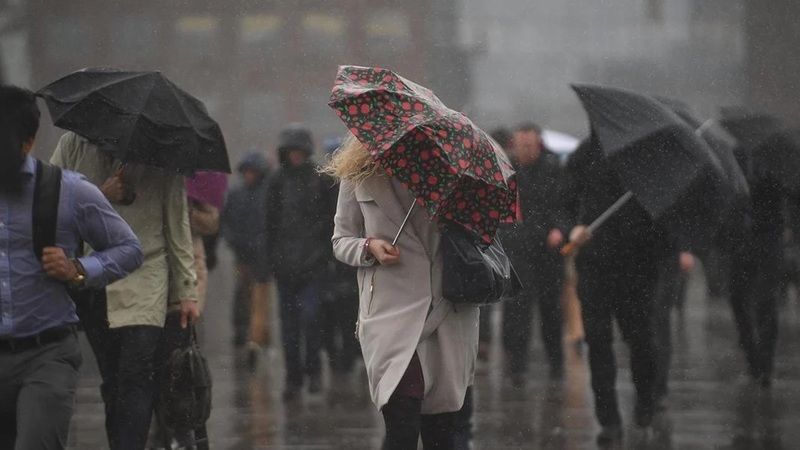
(712, 404)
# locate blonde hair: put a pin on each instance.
(351, 162)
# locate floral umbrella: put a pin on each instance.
(451, 166)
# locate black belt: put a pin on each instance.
(37, 340)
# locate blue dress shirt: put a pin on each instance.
(30, 301)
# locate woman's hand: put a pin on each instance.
(580, 235)
(386, 253)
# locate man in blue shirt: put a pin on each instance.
(39, 352)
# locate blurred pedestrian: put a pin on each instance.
(533, 245)
(40, 357)
(154, 202)
(754, 241)
(300, 208)
(617, 274)
(243, 226)
(400, 289)
(339, 305)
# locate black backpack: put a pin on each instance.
(89, 303)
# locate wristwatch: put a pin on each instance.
(80, 274)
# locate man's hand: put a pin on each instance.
(56, 264)
(580, 235)
(686, 261)
(555, 238)
(190, 312)
(114, 189)
(384, 252)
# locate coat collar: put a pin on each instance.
(379, 188)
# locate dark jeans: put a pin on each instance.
(338, 317)
(37, 394)
(543, 280)
(126, 359)
(755, 280)
(669, 294)
(300, 324)
(624, 293)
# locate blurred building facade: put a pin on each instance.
(529, 52)
(257, 65)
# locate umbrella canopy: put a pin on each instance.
(722, 144)
(672, 173)
(768, 144)
(140, 117)
(450, 165)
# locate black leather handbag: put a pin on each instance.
(474, 272)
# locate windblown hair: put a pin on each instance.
(351, 162)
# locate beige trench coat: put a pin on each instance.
(401, 309)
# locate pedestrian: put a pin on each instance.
(40, 357)
(339, 305)
(406, 329)
(533, 245)
(299, 212)
(244, 230)
(617, 274)
(154, 202)
(205, 194)
(754, 242)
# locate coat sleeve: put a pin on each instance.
(178, 239)
(348, 232)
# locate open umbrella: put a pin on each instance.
(450, 165)
(771, 145)
(719, 140)
(140, 117)
(666, 167)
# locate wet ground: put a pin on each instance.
(712, 404)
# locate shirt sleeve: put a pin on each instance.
(117, 251)
(178, 238)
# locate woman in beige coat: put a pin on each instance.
(419, 348)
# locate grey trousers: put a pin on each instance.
(37, 394)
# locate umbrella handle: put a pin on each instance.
(569, 249)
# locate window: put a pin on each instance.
(387, 31)
(196, 38)
(323, 34)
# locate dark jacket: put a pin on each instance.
(541, 195)
(627, 239)
(243, 223)
(300, 207)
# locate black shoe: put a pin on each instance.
(609, 435)
(765, 381)
(314, 384)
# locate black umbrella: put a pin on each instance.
(720, 141)
(140, 117)
(667, 168)
(770, 146)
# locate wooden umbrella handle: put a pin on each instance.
(569, 249)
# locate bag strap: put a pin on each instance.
(46, 193)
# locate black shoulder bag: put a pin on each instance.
(89, 303)
(474, 272)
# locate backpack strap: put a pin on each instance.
(46, 193)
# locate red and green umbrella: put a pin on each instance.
(451, 166)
